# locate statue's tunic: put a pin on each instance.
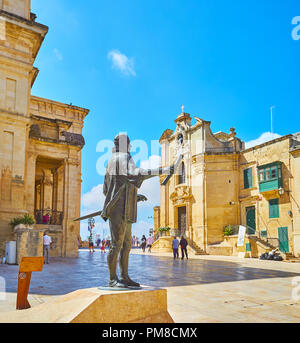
(122, 180)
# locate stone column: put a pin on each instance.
(30, 181)
(48, 184)
(60, 189)
(54, 189)
(156, 212)
(188, 219)
(163, 203)
(71, 193)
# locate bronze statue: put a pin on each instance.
(122, 180)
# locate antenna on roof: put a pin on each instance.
(272, 118)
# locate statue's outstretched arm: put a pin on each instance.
(148, 173)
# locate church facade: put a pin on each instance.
(220, 185)
(40, 139)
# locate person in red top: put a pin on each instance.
(103, 246)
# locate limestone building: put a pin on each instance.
(221, 184)
(40, 139)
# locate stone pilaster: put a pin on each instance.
(30, 181)
(71, 230)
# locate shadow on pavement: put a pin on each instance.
(62, 276)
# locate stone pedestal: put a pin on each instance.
(163, 244)
(29, 243)
(98, 306)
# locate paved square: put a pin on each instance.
(202, 289)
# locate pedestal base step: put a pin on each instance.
(148, 305)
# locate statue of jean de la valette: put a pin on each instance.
(122, 180)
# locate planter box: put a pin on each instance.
(23, 227)
(164, 233)
(175, 232)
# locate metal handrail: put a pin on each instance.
(251, 229)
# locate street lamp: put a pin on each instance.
(272, 107)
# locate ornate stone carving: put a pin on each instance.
(181, 195)
(35, 131)
(18, 179)
(73, 138)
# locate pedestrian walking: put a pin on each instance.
(144, 242)
(149, 243)
(91, 243)
(46, 247)
(133, 242)
(183, 245)
(98, 242)
(103, 246)
(175, 245)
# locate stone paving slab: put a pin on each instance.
(253, 301)
(202, 289)
(249, 262)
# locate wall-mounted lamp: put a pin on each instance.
(281, 191)
(231, 203)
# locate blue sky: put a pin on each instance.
(134, 63)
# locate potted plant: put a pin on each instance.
(163, 231)
(228, 231)
(25, 222)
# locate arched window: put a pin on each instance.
(181, 176)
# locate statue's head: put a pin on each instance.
(122, 143)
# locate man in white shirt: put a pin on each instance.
(46, 248)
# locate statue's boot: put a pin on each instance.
(116, 283)
(129, 283)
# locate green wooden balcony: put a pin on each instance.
(270, 177)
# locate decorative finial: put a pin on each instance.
(182, 108)
(232, 132)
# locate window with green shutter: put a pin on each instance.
(274, 208)
(248, 178)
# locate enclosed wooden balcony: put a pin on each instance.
(270, 177)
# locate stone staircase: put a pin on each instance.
(191, 244)
(268, 246)
(197, 250)
(289, 257)
(263, 242)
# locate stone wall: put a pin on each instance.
(56, 234)
(33, 128)
(19, 7)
